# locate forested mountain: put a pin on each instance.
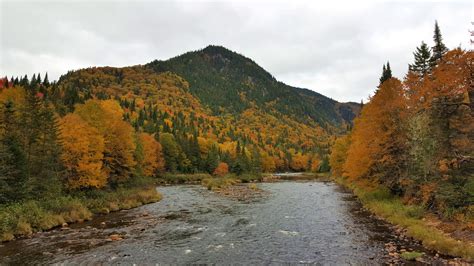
(216, 97)
(207, 111)
(229, 82)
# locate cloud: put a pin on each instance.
(334, 48)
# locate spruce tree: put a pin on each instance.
(422, 64)
(439, 49)
(386, 73)
(46, 80)
(13, 167)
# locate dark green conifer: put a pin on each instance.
(422, 64)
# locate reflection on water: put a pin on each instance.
(298, 222)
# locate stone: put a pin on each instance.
(115, 237)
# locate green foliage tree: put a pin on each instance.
(439, 49)
(386, 73)
(171, 151)
(422, 64)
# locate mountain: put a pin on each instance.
(222, 98)
(226, 80)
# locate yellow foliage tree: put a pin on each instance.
(299, 162)
(153, 160)
(82, 153)
(339, 155)
(106, 117)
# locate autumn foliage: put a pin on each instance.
(221, 170)
(417, 137)
(83, 153)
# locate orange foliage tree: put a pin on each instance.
(378, 138)
(222, 169)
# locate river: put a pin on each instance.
(296, 222)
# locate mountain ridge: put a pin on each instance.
(210, 69)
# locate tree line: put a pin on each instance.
(415, 136)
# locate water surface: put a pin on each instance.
(296, 222)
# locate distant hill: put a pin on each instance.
(223, 98)
(227, 81)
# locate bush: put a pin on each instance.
(183, 178)
(33, 216)
(411, 255)
(218, 183)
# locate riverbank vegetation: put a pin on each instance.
(30, 216)
(411, 151)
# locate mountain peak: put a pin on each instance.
(213, 49)
(226, 81)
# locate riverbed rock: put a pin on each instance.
(115, 237)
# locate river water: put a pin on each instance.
(296, 222)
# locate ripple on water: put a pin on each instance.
(297, 223)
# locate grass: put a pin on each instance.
(21, 219)
(411, 255)
(379, 201)
(215, 183)
(170, 178)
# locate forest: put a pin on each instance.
(99, 139)
(415, 136)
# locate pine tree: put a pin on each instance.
(439, 49)
(422, 64)
(46, 80)
(13, 170)
(386, 73)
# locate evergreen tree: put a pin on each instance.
(212, 159)
(422, 64)
(386, 73)
(46, 80)
(13, 172)
(439, 49)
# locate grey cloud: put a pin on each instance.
(336, 49)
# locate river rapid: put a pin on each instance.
(295, 222)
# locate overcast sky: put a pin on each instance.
(334, 48)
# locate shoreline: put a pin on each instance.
(416, 228)
(22, 220)
(408, 221)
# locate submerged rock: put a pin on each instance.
(115, 237)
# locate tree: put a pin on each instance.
(106, 117)
(13, 174)
(46, 80)
(152, 160)
(378, 140)
(170, 151)
(82, 153)
(268, 163)
(339, 155)
(315, 164)
(439, 49)
(422, 64)
(222, 169)
(386, 73)
(212, 159)
(299, 162)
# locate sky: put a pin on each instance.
(335, 48)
